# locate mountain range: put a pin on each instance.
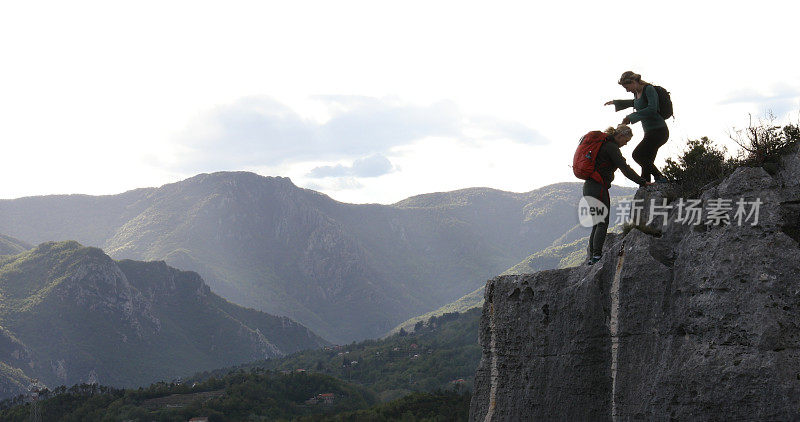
(346, 271)
(552, 257)
(11, 246)
(70, 314)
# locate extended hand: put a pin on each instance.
(626, 121)
(609, 102)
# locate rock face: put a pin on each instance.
(702, 323)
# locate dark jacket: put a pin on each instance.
(609, 159)
(646, 108)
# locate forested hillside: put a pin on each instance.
(71, 314)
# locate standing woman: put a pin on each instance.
(609, 159)
(656, 133)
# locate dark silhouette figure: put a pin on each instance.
(609, 159)
(656, 132)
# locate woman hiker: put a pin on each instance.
(609, 159)
(656, 133)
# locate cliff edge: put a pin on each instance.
(701, 322)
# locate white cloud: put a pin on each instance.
(373, 166)
(779, 99)
(259, 131)
(336, 185)
(92, 103)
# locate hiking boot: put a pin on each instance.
(593, 260)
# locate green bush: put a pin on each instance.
(702, 162)
(450, 406)
(699, 164)
(763, 143)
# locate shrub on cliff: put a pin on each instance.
(702, 162)
(699, 164)
(762, 143)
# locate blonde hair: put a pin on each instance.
(620, 130)
(629, 76)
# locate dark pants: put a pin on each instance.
(645, 152)
(599, 230)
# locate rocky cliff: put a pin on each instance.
(699, 323)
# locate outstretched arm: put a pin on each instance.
(619, 161)
(620, 104)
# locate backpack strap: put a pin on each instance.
(596, 175)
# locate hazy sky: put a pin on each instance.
(366, 101)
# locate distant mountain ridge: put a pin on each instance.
(346, 271)
(553, 257)
(70, 314)
(11, 246)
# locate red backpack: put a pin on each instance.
(584, 162)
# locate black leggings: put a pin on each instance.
(645, 152)
(599, 230)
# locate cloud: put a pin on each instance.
(749, 95)
(337, 184)
(781, 99)
(372, 166)
(494, 128)
(259, 131)
(363, 124)
(252, 131)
